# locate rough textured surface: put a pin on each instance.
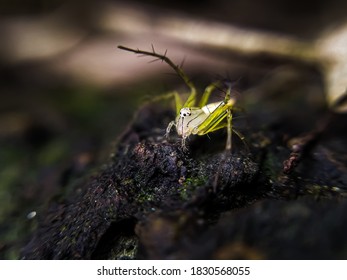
(152, 200)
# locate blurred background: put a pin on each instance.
(67, 92)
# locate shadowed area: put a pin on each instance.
(85, 171)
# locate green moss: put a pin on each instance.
(190, 185)
(126, 248)
(145, 197)
(127, 181)
(195, 181)
(270, 166)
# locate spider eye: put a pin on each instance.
(185, 112)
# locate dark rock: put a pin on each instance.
(153, 200)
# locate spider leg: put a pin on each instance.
(207, 93)
(229, 130)
(192, 97)
(184, 147)
(229, 119)
(216, 119)
(169, 127)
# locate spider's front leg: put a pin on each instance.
(169, 127)
(183, 144)
(229, 104)
(229, 130)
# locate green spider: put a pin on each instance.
(197, 118)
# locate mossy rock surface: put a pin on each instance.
(153, 200)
